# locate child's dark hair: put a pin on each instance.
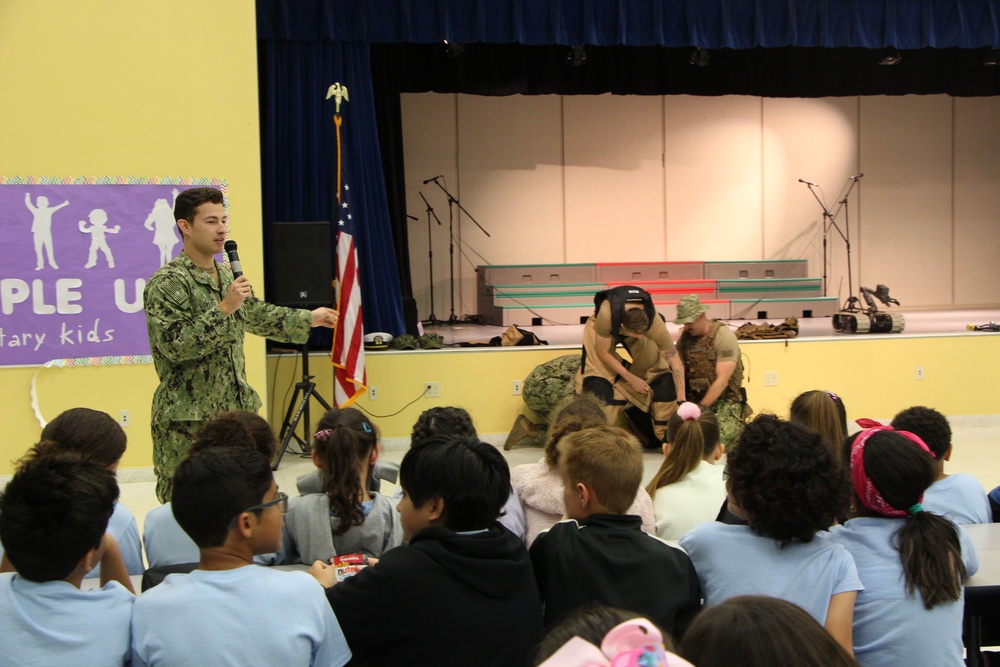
(573, 413)
(344, 439)
(216, 486)
(784, 478)
(823, 412)
(759, 631)
(691, 440)
(189, 200)
(591, 624)
(471, 477)
(608, 460)
(928, 544)
(92, 434)
(54, 510)
(237, 428)
(448, 420)
(927, 424)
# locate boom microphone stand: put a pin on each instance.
(830, 221)
(430, 258)
(451, 239)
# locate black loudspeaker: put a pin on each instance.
(303, 264)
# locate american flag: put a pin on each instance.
(350, 379)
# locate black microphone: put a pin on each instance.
(808, 183)
(854, 178)
(433, 179)
(234, 259)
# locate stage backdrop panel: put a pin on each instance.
(614, 178)
(815, 140)
(713, 178)
(511, 182)
(977, 202)
(906, 208)
(76, 258)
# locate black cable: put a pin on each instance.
(372, 414)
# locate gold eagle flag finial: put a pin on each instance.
(338, 92)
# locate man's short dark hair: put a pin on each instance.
(189, 200)
(927, 424)
(471, 477)
(215, 486)
(92, 434)
(635, 320)
(54, 510)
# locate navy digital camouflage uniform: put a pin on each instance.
(198, 354)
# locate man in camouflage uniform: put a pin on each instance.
(196, 314)
(713, 368)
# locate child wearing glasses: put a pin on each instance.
(462, 592)
(783, 480)
(228, 610)
(53, 520)
(165, 541)
(346, 517)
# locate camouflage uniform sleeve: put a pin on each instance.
(289, 325)
(181, 330)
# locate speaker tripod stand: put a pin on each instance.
(304, 390)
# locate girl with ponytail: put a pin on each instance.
(688, 488)
(346, 517)
(913, 563)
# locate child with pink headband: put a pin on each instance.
(913, 563)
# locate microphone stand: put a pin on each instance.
(430, 258)
(830, 221)
(451, 240)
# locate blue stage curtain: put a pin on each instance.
(298, 144)
(711, 24)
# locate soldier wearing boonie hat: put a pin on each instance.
(712, 367)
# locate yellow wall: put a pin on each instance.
(874, 376)
(118, 87)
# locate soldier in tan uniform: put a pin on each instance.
(714, 370)
(649, 387)
(196, 315)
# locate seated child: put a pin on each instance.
(958, 496)
(913, 562)
(96, 436)
(230, 611)
(783, 480)
(462, 592)
(53, 521)
(601, 635)
(755, 630)
(346, 517)
(688, 489)
(539, 485)
(823, 412)
(165, 541)
(601, 554)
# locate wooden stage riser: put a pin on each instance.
(748, 310)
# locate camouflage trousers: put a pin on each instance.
(171, 441)
(730, 416)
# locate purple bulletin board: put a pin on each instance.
(75, 255)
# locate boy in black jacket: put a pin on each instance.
(601, 554)
(462, 593)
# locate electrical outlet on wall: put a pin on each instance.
(516, 387)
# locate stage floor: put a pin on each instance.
(922, 323)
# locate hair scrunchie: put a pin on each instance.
(863, 485)
(323, 435)
(689, 411)
(634, 643)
